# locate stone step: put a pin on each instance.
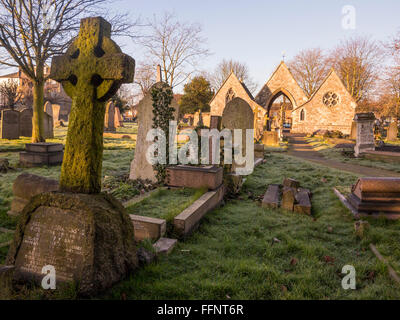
(165, 246)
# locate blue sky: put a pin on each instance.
(257, 32)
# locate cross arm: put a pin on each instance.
(61, 68)
(116, 66)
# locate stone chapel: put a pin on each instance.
(331, 107)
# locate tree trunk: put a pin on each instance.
(38, 113)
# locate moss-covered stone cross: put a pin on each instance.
(91, 72)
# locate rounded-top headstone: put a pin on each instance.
(238, 115)
(48, 108)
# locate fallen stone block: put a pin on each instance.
(165, 246)
(288, 199)
(148, 228)
(271, 197)
(303, 204)
(291, 183)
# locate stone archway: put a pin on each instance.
(281, 92)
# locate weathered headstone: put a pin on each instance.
(48, 108)
(140, 167)
(270, 138)
(117, 118)
(87, 236)
(27, 186)
(109, 117)
(25, 123)
(365, 133)
(215, 122)
(56, 112)
(353, 132)
(9, 124)
(238, 115)
(48, 126)
(392, 132)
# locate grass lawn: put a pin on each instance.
(233, 254)
(121, 149)
(327, 148)
(166, 204)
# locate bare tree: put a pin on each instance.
(31, 32)
(176, 46)
(389, 98)
(9, 90)
(358, 63)
(224, 69)
(309, 69)
(145, 77)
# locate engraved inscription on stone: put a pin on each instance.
(54, 237)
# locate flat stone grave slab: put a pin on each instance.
(38, 154)
(186, 222)
(165, 246)
(148, 228)
(195, 177)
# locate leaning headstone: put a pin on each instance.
(140, 167)
(365, 133)
(239, 115)
(48, 108)
(392, 132)
(25, 123)
(9, 124)
(86, 235)
(109, 117)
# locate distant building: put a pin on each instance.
(53, 92)
(331, 107)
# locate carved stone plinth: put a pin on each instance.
(42, 154)
(88, 239)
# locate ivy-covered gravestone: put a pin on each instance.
(85, 235)
(155, 110)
